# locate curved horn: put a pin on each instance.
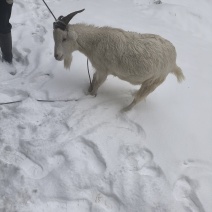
(67, 18)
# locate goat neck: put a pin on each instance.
(86, 37)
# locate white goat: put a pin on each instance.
(140, 59)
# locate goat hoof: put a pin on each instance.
(126, 109)
(94, 95)
(90, 93)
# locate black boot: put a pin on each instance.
(6, 47)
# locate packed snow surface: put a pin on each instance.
(78, 153)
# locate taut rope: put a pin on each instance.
(49, 10)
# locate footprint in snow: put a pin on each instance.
(136, 157)
(95, 151)
(21, 56)
(9, 95)
(134, 125)
(19, 160)
(39, 33)
(184, 191)
(15, 93)
(81, 205)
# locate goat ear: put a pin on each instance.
(67, 18)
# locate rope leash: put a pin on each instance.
(8, 103)
(40, 100)
(49, 10)
(89, 75)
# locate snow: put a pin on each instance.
(85, 155)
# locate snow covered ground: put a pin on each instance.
(84, 155)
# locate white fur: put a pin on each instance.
(141, 59)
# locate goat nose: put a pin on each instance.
(56, 56)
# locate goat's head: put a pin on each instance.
(65, 39)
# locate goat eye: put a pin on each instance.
(64, 39)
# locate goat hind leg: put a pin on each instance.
(146, 88)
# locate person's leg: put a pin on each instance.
(5, 31)
(6, 47)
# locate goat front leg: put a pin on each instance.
(98, 79)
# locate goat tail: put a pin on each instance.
(179, 74)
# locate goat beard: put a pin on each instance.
(67, 62)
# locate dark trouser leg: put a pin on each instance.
(6, 47)
(5, 31)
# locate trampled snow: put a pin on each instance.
(80, 153)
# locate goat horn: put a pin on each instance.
(67, 18)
